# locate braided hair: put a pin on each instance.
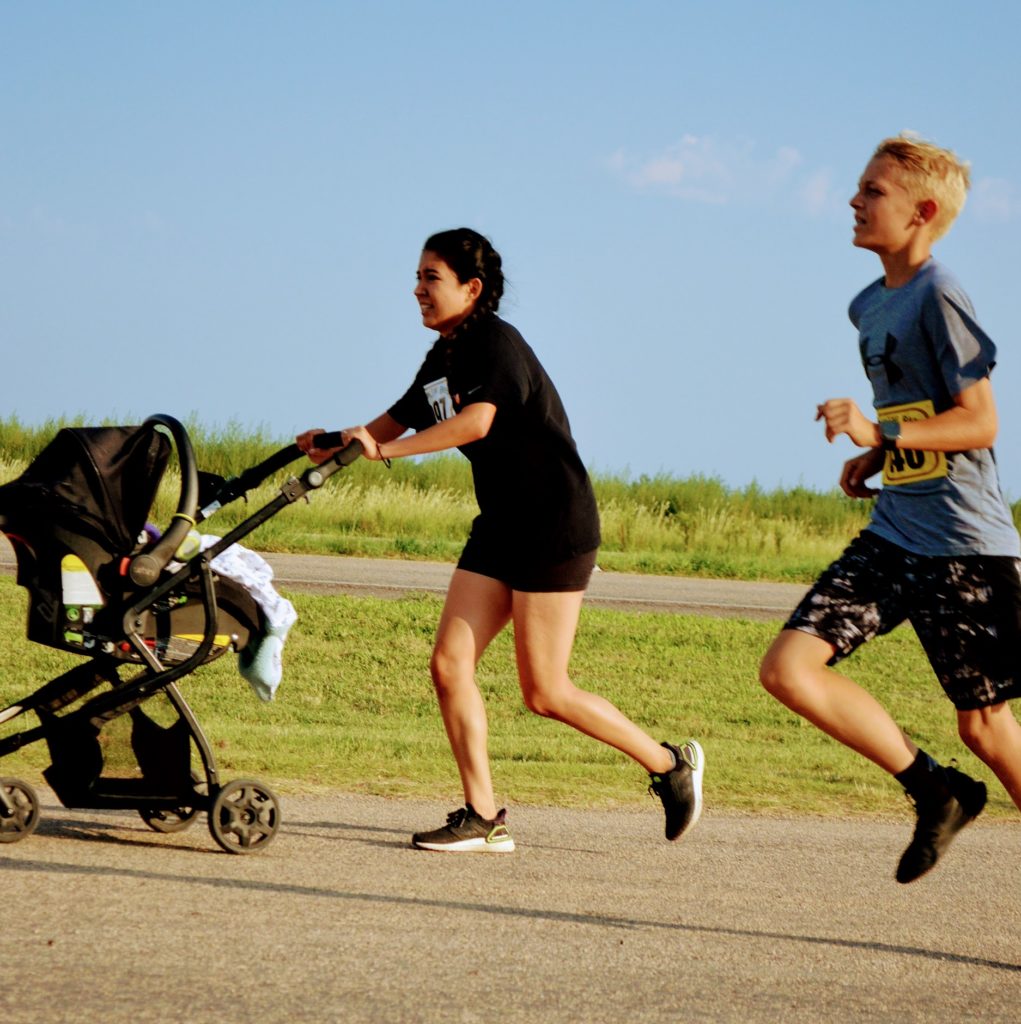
(469, 254)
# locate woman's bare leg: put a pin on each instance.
(476, 609)
(544, 629)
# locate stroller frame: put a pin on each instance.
(243, 815)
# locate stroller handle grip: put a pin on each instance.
(334, 439)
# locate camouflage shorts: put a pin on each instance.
(966, 612)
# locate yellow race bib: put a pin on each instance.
(906, 465)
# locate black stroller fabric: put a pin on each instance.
(98, 481)
(77, 521)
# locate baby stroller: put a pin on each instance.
(102, 588)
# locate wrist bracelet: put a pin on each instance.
(382, 457)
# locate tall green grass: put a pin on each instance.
(694, 526)
(356, 711)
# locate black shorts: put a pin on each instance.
(966, 612)
(530, 577)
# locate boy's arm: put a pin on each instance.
(971, 423)
(856, 472)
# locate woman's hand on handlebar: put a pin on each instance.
(306, 442)
(370, 446)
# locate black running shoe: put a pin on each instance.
(466, 832)
(680, 789)
(938, 822)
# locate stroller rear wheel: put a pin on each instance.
(244, 817)
(172, 819)
(19, 810)
(168, 819)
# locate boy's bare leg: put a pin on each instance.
(794, 671)
(994, 735)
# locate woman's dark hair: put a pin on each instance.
(469, 254)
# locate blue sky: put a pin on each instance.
(216, 209)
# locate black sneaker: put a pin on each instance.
(680, 789)
(466, 832)
(938, 822)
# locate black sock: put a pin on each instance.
(924, 777)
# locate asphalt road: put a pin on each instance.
(383, 578)
(391, 578)
(594, 918)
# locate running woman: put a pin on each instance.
(531, 549)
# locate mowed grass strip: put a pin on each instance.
(356, 712)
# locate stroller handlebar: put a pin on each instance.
(235, 487)
(145, 568)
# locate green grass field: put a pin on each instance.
(356, 711)
(356, 708)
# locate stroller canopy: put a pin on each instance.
(100, 481)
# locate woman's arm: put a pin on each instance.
(380, 430)
(471, 424)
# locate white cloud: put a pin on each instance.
(705, 169)
(995, 199)
(817, 192)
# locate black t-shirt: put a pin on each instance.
(534, 494)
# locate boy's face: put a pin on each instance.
(886, 218)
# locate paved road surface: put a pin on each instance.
(389, 578)
(595, 918)
(608, 589)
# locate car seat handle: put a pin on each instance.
(145, 568)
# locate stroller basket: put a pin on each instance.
(102, 587)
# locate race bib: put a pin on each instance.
(906, 465)
(437, 394)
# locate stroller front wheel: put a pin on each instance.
(19, 810)
(244, 816)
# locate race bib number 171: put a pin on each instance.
(906, 465)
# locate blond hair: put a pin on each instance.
(929, 172)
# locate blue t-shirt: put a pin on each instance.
(921, 345)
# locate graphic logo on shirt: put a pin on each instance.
(906, 465)
(884, 359)
(437, 394)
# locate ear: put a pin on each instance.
(475, 288)
(927, 209)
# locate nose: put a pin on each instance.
(855, 201)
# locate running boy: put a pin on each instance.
(941, 549)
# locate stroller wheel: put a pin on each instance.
(244, 817)
(19, 810)
(168, 819)
(172, 819)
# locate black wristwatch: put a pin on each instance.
(889, 431)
